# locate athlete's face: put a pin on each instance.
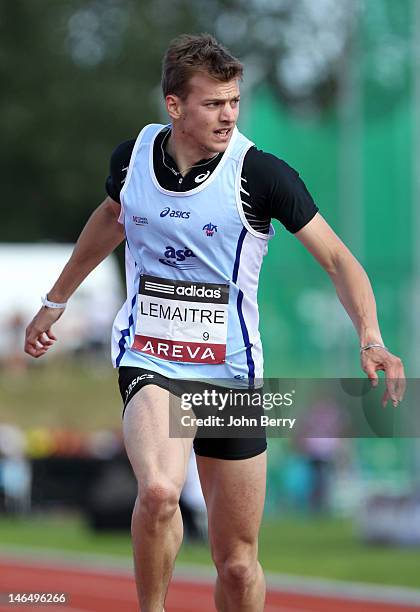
(206, 118)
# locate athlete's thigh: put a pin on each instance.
(153, 453)
(234, 491)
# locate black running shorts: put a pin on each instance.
(131, 380)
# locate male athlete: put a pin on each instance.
(194, 201)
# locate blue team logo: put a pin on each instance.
(178, 214)
(209, 228)
(178, 258)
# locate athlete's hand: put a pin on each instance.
(375, 359)
(39, 337)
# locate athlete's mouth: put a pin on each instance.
(222, 131)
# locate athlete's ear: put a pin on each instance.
(173, 106)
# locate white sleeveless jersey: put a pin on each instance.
(192, 269)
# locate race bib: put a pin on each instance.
(182, 320)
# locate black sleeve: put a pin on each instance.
(118, 167)
(277, 191)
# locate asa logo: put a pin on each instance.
(177, 258)
(178, 214)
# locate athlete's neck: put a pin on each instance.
(185, 154)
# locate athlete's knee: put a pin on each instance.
(158, 501)
(238, 574)
(237, 571)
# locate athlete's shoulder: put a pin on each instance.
(120, 160)
(268, 166)
(280, 190)
(122, 153)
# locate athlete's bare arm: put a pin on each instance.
(100, 236)
(355, 293)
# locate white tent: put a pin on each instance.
(28, 271)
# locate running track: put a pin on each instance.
(113, 590)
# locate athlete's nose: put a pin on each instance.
(227, 113)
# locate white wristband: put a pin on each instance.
(46, 302)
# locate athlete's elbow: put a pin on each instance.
(331, 262)
(111, 208)
(341, 263)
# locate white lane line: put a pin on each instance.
(351, 591)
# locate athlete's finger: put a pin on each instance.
(45, 340)
(401, 386)
(30, 344)
(32, 349)
(394, 372)
(385, 398)
(397, 387)
(371, 373)
(35, 339)
(29, 349)
(401, 382)
(392, 391)
(33, 344)
(50, 334)
(390, 387)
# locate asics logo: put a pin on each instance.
(200, 178)
(179, 214)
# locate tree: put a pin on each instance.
(78, 78)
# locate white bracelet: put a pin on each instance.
(46, 302)
(369, 346)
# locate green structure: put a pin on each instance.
(357, 160)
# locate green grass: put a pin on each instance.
(61, 395)
(324, 548)
(329, 548)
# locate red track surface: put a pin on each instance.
(92, 590)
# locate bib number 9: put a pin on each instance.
(206, 336)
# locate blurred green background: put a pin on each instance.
(333, 88)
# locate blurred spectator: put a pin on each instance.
(15, 470)
(96, 314)
(192, 504)
(391, 519)
(39, 443)
(69, 443)
(14, 337)
(318, 439)
(104, 444)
